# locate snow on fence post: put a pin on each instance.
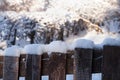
(57, 66)
(83, 60)
(111, 63)
(33, 62)
(11, 63)
(57, 61)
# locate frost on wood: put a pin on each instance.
(12, 51)
(34, 49)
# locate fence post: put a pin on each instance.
(11, 63)
(10, 68)
(33, 67)
(83, 64)
(1, 66)
(57, 66)
(111, 63)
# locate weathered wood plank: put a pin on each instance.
(33, 67)
(28, 75)
(69, 62)
(111, 63)
(83, 64)
(57, 66)
(1, 66)
(36, 67)
(10, 68)
(97, 61)
(22, 65)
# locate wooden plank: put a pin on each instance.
(1, 66)
(45, 62)
(28, 75)
(36, 67)
(10, 68)
(33, 67)
(22, 65)
(96, 68)
(69, 62)
(83, 64)
(111, 63)
(97, 61)
(57, 66)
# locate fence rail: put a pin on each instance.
(81, 62)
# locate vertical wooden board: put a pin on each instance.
(111, 63)
(69, 63)
(28, 75)
(44, 64)
(10, 68)
(1, 66)
(83, 64)
(57, 66)
(33, 67)
(36, 67)
(97, 61)
(22, 64)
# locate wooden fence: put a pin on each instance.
(81, 62)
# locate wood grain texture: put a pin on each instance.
(10, 68)
(57, 66)
(83, 64)
(1, 66)
(33, 67)
(22, 65)
(97, 63)
(111, 63)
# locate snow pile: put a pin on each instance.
(111, 41)
(34, 49)
(12, 51)
(3, 45)
(82, 43)
(56, 46)
(98, 39)
(1, 52)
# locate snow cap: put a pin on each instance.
(111, 41)
(83, 43)
(34, 49)
(12, 51)
(56, 46)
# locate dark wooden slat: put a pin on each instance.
(22, 64)
(57, 66)
(1, 66)
(83, 64)
(97, 61)
(36, 67)
(111, 63)
(28, 75)
(33, 67)
(10, 68)
(45, 61)
(69, 63)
